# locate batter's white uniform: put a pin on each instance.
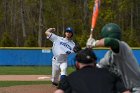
(59, 61)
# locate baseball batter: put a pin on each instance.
(119, 59)
(62, 47)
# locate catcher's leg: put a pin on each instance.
(63, 68)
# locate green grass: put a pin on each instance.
(25, 70)
(28, 70)
(15, 83)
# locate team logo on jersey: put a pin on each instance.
(66, 45)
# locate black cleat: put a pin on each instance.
(55, 84)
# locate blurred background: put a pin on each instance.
(23, 22)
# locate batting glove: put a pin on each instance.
(91, 42)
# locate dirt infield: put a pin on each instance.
(24, 77)
(43, 88)
(29, 89)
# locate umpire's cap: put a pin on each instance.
(86, 56)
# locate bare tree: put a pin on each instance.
(13, 22)
(22, 18)
(40, 25)
(5, 14)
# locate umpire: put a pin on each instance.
(89, 79)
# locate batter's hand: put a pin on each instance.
(90, 42)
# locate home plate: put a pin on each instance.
(43, 77)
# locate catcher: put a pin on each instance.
(119, 59)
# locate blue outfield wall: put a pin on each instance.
(41, 57)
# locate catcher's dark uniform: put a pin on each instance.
(91, 80)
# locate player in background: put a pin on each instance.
(119, 59)
(62, 47)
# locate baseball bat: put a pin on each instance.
(94, 16)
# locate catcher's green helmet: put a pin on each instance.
(111, 30)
